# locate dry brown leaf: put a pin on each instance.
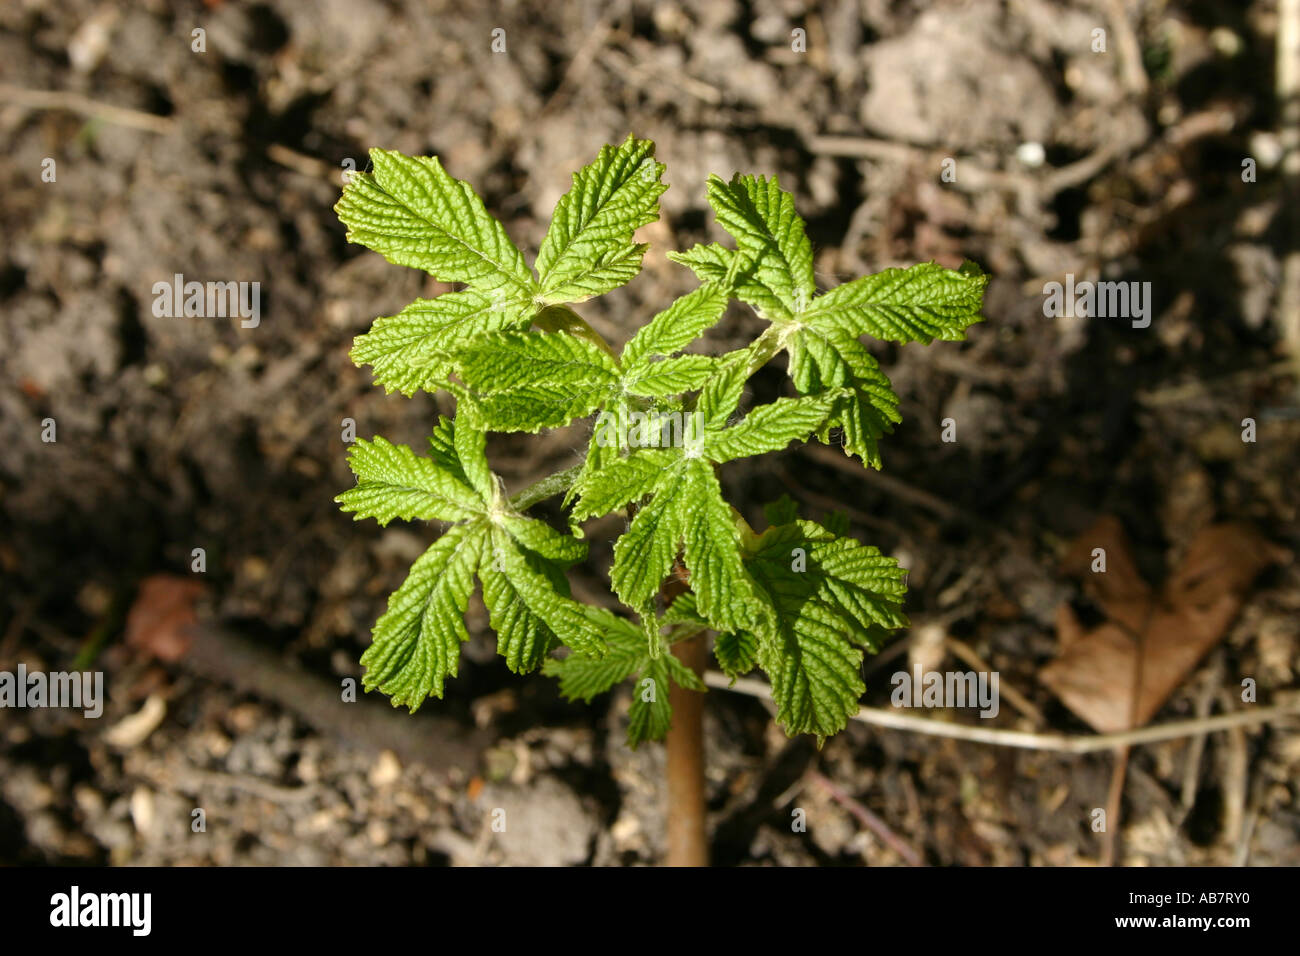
(1119, 674)
(1120, 592)
(160, 620)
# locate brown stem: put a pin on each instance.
(688, 843)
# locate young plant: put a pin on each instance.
(800, 599)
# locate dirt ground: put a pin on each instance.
(183, 433)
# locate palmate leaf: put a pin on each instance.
(824, 598)
(801, 600)
(588, 249)
(412, 212)
(686, 513)
(583, 678)
(820, 333)
(520, 562)
(527, 381)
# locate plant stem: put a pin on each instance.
(561, 318)
(544, 488)
(687, 840)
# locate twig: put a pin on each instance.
(898, 489)
(438, 742)
(76, 103)
(1114, 806)
(1181, 393)
(1288, 97)
(1236, 782)
(974, 177)
(1130, 50)
(1242, 855)
(580, 64)
(1026, 740)
(868, 819)
(1016, 699)
(301, 163)
(1196, 749)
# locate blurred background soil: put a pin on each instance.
(183, 433)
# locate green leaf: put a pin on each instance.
(867, 408)
(681, 323)
(543, 540)
(416, 643)
(620, 480)
(712, 263)
(588, 249)
(721, 394)
(736, 652)
(825, 598)
(413, 213)
(644, 554)
(394, 482)
(761, 217)
(469, 441)
(442, 449)
(507, 360)
(820, 333)
(519, 561)
(529, 607)
(782, 511)
(683, 610)
(686, 514)
(413, 350)
(671, 376)
(770, 427)
(526, 381)
(711, 549)
(919, 304)
(582, 678)
(651, 713)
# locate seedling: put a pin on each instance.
(800, 600)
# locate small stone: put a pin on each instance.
(386, 771)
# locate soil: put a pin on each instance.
(182, 433)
